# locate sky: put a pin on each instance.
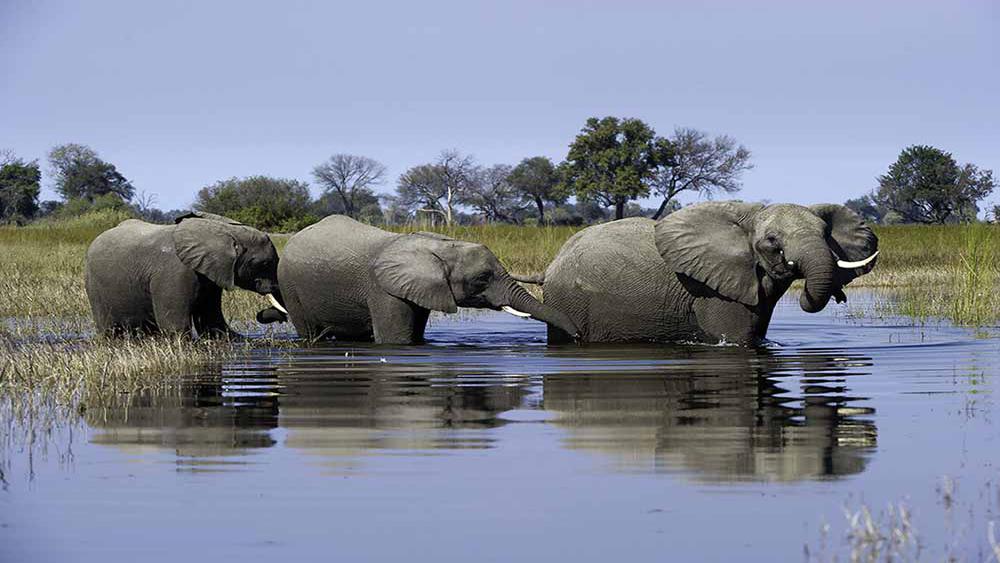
(180, 94)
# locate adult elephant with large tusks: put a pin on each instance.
(350, 281)
(145, 278)
(708, 273)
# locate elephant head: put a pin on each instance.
(440, 273)
(228, 253)
(740, 249)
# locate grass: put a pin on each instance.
(46, 334)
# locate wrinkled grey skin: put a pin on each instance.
(708, 273)
(349, 281)
(145, 278)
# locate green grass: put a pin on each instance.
(46, 341)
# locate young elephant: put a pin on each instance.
(708, 273)
(145, 278)
(350, 281)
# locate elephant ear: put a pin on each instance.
(851, 239)
(409, 269)
(710, 242)
(208, 247)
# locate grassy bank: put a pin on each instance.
(949, 272)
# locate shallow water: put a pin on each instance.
(489, 445)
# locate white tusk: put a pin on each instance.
(274, 302)
(515, 312)
(858, 264)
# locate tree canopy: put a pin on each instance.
(353, 178)
(492, 195)
(927, 185)
(81, 174)
(613, 161)
(537, 181)
(271, 204)
(700, 164)
(19, 189)
(437, 189)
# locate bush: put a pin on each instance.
(260, 201)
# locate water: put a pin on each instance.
(488, 445)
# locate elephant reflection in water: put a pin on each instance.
(339, 417)
(194, 420)
(720, 414)
(721, 426)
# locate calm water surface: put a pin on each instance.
(488, 445)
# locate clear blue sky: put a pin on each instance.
(181, 94)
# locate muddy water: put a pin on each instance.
(488, 445)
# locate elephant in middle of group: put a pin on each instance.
(711, 272)
(351, 281)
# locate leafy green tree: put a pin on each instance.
(19, 189)
(927, 185)
(80, 174)
(271, 204)
(537, 180)
(353, 178)
(700, 164)
(613, 161)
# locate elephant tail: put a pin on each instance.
(536, 279)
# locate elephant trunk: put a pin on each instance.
(518, 298)
(817, 266)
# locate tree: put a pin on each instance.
(700, 164)
(81, 174)
(927, 185)
(366, 206)
(437, 188)
(491, 193)
(351, 177)
(260, 201)
(19, 188)
(613, 161)
(537, 180)
(866, 207)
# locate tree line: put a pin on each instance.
(610, 164)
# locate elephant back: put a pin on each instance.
(129, 235)
(323, 271)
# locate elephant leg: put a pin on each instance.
(209, 321)
(174, 295)
(395, 321)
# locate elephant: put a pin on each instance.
(143, 278)
(351, 281)
(708, 273)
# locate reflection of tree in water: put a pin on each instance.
(727, 418)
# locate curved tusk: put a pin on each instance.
(858, 264)
(275, 304)
(515, 312)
